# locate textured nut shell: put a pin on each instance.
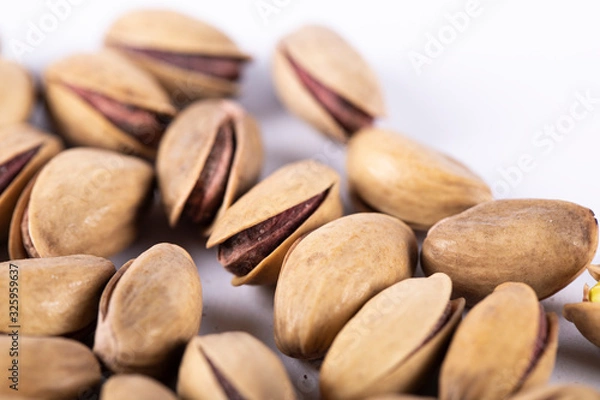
(594, 270)
(17, 93)
(62, 293)
(544, 243)
(285, 188)
(399, 397)
(586, 317)
(385, 334)
(137, 333)
(127, 387)
(329, 59)
(401, 177)
(50, 368)
(330, 273)
(187, 144)
(493, 346)
(562, 392)
(250, 366)
(16, 139)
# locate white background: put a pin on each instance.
(485, 96)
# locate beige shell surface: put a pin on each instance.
(330, 273)
(151, 308)
(187, 144)
(586, 317)
(559, 392)
(17, 93)
(128, 387)
(61, 293)
(544, 243)
(594, 270)
(253, 370)
(401, 177)
(387, 331)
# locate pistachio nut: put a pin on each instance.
(543, 243)
(594, 270)
(559, 392)
(394, 174)
(84, 201)
(23, 151)
(148, 311)
(210, 155)
(232, 365)
(399, 397)
(17, 93)
(331, 272)
(127, 387)
(47, 368)
(61, 293)
(255, 233)
(393, 342)
(505, 344)
(325, 81)
(586, 314)
(103, 100)
(191, 58)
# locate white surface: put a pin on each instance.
(517, 67)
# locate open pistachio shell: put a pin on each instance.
(91, 197)
(255, 233)
(394, 340)
(399, 397)
(210, 155)
(559, 392)
(594, 270)
(232, 365)
(586, 314)
(543, 243)
(17, 93)
(330, 273)
(505, 344)
(128, 387)
(23, 151)
(396, 175)
(325, 81)
(191, 58)
(103, 100)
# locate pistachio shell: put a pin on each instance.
(594, 270)
(401, 177)
(559, 392)
(544, 243)
(399, 397)
(17, 93)
(287, 187)
(392, 342)
(127, 387)
(215, 367)
(330, 273)
(332, 62)
(500, 347)
(586, 317)
(49, 368)
(137, 333)
(187, 144)
(18, 140)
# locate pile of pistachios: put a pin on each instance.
(147, 117)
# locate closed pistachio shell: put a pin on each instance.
(23, 151)
(127, 387)
(396, 175)
(505, 344)
(93, 197)
(325, 81)
(394, 340)
(586, 314)
(232, 365)
(543, 243)
(103, 100)
(255, 233)
(17, 93)
(330, 273)
(198, 164)
(559, 392)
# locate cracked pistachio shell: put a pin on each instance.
(62, 293)
(498, 350)
(559, 392)
(148, 311)
(594, 270)
(111, 75)
(332, 62)
(50, 368)
(232, 365)
(392, 343)
(179, 34)
(127, 387)
(285, 188)
(92, 197)
(586, 316)
(399, 397)
(17, 93)
(20, 140)
(543, 243)
(396, 175)
(187, 144)
(330, 273)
